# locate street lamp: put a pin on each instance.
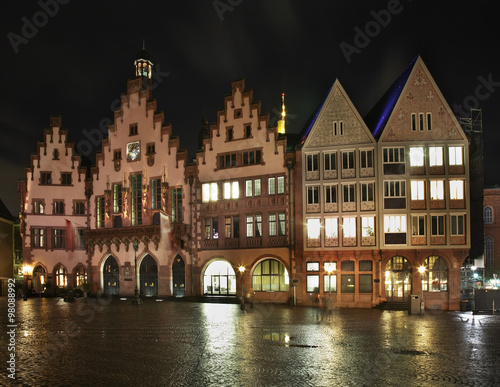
(421, 270)
(329, 268)
(136, 300)
(242, 270)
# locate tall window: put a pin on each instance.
(349, 227)
(488, 215)
(435, 277)
(417, 156)
(155, 194)
(79, 207)
(277, 224)
(136, 196)
(271, 185)
(280, 185)
(211, 228)
(312, 162)
(313, 194)
(81, 275)
(367, 226)
(209, 192)
(418, 225)
(312, 280)
(38, 206)
(66, 178)
(58, 207)
(331, 194)
(367, 190)
(457, 224)
(252, 188)
(437, 189)
(455, 154)
(61, 276)
(177, 204)
(117, 198)
(489, 250)
(232, 227)
(330, 161)
(331, 225)
(254, 225)
(270, 276)
(38, 237)
(338, 128)
(417, 190)
(395, 223)
(394, 161)
(437, 225)
(435, 156)
(348, 160)
(59, 239)
(349, 193)
(313, 228)
(100, 211)
(231, 190)
(365, 279)
(456, 189)
(366, 158)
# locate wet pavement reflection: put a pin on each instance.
(109, 342)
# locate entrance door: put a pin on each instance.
(398, 279)
(219, 279)
(179, 277)
(149, 277)
(111, 276)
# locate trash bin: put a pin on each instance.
(414, 306)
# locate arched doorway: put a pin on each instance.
(39, 279)
(397, 279)
(219, 279)
(111, 276)
(179, 277)
(149, 277)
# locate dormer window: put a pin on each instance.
(132, 130)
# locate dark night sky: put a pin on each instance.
(78, 60)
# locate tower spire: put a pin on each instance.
(281, 123)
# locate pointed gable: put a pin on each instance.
(420, 113)
(337, 112)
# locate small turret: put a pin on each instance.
(143, 64)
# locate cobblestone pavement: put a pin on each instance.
(104, 342)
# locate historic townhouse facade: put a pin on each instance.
(339, 237)
(491, 231)
(54, 208)
(243, 202)
(349, 214)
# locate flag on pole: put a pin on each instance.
(73, 239)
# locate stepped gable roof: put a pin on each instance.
(377, 117)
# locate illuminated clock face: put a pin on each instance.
(133, 151)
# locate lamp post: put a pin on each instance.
(421, 270)
(329, 269)
(136, 300)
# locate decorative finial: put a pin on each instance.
(143, 44)
(281, 123)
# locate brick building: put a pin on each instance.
(491, 231)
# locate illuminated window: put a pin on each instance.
(81, 276)
(456, 189)
(211, 228)
(117, 198)
(45, 178)
(368, 226)
(176, 195)
(277, 224)
(435, 156)
(271, 185)
(417, 156)
(488, 215)
(254, 225)
(231, 190)
(331, 225)
(349, 227)
(100, 211)
(38, 206)
(418, 225)
(395, 223)
(435, 277)
(313, 228)
(455, 154)
(270, 276)
(417, 190)
(281, 184)
(61, 277)
(209, 192)
(330, 283)
(437, 189)
(232, 227)
(38, 237)
(437, 225)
